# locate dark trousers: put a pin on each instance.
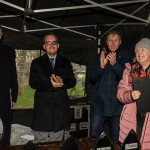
(5, 115)
(140, 122)
(97, 123)
(5, 138)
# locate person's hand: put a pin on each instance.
(112, 58)
(12, 104)
(103, 59)
(135, 94)
(56, 81)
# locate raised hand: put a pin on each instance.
(112, 58)
(103, 59)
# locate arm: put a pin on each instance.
(124, 89)
(96, 71)
(13, 74)
(69, 79)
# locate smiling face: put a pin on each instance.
(51, 44)
(143, 56)
(113, 42)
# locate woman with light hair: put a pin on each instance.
(128, 96)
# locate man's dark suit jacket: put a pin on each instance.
(51, 105)
(8, 88)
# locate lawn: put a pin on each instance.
(26, 95)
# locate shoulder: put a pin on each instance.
(125, 53)
(128, 66)
(40, 58)
(7, 48)
(127, 69)
(125, 76)
(63, 59)
(8, 51)
(125, 56)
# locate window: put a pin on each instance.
(79, 89)
(23, 62)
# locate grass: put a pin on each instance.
(26, 95)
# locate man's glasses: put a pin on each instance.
(48, 43)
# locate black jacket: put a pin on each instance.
(51, 105)
(104, 94)
(8, 88)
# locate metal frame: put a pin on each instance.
(70, 28)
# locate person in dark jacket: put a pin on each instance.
(8, 89)
(51, 75)
(105, 74)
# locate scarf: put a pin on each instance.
(137, 71)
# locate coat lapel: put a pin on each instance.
(47, 63)
(58, 62)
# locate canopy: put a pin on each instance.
(81, 25)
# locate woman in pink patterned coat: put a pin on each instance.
(128, 96)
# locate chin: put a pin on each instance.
(113, 50)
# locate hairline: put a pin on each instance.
(113, 33)
(53, 34)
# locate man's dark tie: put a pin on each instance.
(52, 62)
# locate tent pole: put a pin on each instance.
(117, 11)
(98, 38)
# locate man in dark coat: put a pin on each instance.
(105, 74)
(51, 75)
(8, 89)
